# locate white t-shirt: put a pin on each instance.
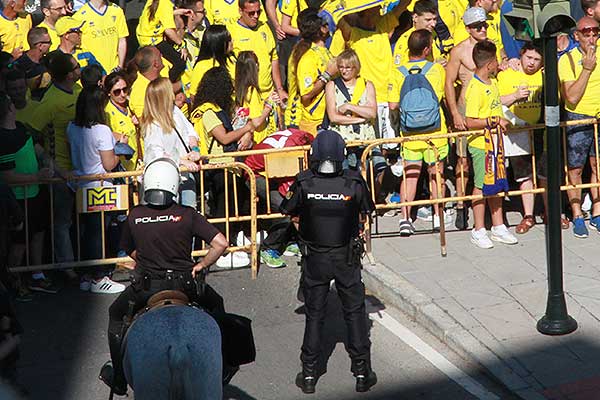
(86, 144)
(160, 144)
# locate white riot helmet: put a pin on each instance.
(161, 182)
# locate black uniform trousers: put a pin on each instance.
(319, 269)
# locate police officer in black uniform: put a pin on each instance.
(158, 236)
(331, 204)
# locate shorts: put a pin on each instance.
(425, 154)
(540, 164)
(522, 167)
(354, 155)
(38, 215)
(580, 141)
(478, 156)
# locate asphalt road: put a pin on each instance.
(65, 345)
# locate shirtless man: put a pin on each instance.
(459, 70)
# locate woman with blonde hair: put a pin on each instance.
(167, 133)
(350, 100)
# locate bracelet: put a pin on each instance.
(196, 149)
(179, 46)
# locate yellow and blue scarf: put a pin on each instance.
(494, 180)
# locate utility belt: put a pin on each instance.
(354, 249)
(162, 280)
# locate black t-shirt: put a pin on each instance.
(163, 237)
(12, 141)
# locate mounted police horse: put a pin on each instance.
(172, 350)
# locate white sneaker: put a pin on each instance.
(501, 234)
(237, 259)
(106, 286)
(242, 240)
(480, 239)
(436, 221)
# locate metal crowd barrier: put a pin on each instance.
(295, 156)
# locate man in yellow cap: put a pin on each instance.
(68, 30)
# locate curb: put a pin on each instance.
(395, 290)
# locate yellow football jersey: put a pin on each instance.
(292, 8)
(262, 42)
(51, 117)
(150, 32)
(54, 38)
(225, 12)
(101, 32)
(13, 32)
(204, 65)
(138, 94)
(120, 122)
(401, 49)
(310, 66)
(482, 101)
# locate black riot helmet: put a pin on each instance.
(327, 153)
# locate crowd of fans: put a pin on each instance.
(80, 94)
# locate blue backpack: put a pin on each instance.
(419, 105)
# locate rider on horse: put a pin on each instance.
(159, 237)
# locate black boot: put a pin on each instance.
(365, 377)
(112, 372)
(307, 379)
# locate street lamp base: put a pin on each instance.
(556, 327)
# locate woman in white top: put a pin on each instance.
(91, 140)
(167, 133)
(92, 152)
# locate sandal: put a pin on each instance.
(526, 224)
(564, 221)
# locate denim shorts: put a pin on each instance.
(580, 141)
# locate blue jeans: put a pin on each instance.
(64, 201)
(187, 190)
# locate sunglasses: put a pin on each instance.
(118, 91)
(253, 13)
(74, 30)
(479, 26)
(594, 30)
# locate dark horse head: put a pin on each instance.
(174, 352)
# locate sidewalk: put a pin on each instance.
(485, 304)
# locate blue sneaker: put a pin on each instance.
(395, 198)
(272, 258)
(579, 228)
(595, 222)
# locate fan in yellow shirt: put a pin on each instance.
(289, 15)
(14, 25)
(225, 12)
(310, 84)
(424, 17)
(57, 108)
(120, 119)
(150, 65)
(249, 33)
(52, 10)
(104, 33)
(570, 67)
(248, 102)
(415, 153)
(216, 49)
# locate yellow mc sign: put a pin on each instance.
(104, 198)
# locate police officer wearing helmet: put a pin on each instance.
(158, 236)
(331, 204)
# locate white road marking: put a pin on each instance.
(435, 358)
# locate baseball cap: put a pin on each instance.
(474, 15)
(67, 24)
